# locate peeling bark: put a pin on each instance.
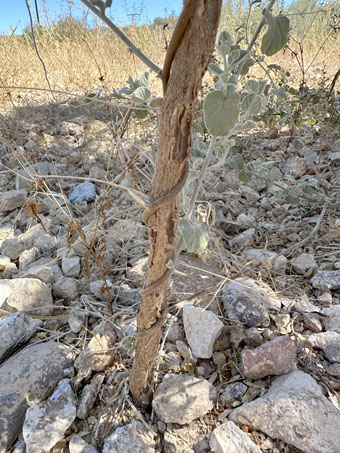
(190, 55)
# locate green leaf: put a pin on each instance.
(274, 174)
(221, 112)
(262, 86)
(274, 66)
(237, 56)
(224, 43)
(252, 86)
(215, 69)
(298, 144)
(294, 195)
(264, 101)
(244, 176)
(133, 83)
(246, 66)
(141, 114)
(280, 93)
(276, 36)
(144, 79)
(251, 104)
(198, 127)
(246, 126)
(141, 95)
(195, 237)
(238, 163)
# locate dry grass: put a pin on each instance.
(91, 60)
(84, 60)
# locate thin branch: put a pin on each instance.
(304, 241)
(132, 48)
(36, 48)
(304, 13)
(255, 35)
(90, 99)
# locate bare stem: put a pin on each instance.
(201, 176)
(132, 48)
(259, 27)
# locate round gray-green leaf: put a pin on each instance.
(251, 104)
(195, 237)
(276, 36)
(224, 43)
(141, 95)
(215, 69)
(221, 112)
(141, 114)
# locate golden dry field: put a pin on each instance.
(79, 61)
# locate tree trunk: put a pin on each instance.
(190, 52)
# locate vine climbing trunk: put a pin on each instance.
(186, 61)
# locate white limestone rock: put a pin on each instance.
(71, 266)
(332, 322)
(228, 438)
(12, 199)
(202, 328)
(16, 329)
(304, 263)
(46, 423)
(79, 445)
(131, 438)
(27, 378)
(183, 398)
(11, 248)
(25, 294)
(296, 411)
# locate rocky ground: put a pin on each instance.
(250, 360)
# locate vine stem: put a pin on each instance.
(201, 176)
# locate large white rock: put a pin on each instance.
(228, 438)
(15, 330)
(71, 266)
(244, 300)
(11, 248)
(326, 280)
(304, 263)
(202, 328)
(41, 272)
(132, 438)
(329, 342)
(12, 199)
(66, 288)
(26, 378)
(182, 398)
(46, 423)
(26, 294)
(26, 178)
(32, 235)
(296, 411)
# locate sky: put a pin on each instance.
(14, 13)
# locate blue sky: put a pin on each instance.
(14, 12)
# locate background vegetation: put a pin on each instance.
(80, 58)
